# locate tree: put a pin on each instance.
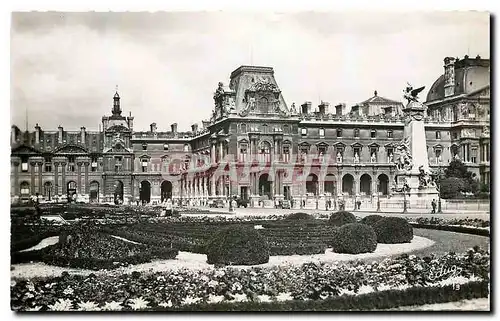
(451, 187)
(457, 169)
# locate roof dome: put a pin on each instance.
(470, 75)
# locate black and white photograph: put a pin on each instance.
(250, 161)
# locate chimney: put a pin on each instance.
(205, 123)
(13, 134)
(60, 134)
(130, 121)
(37, 134)
(174, 128)
(449, 76)
(323, 108)
(194, 128)
(306, 107)
(153, 128)
(82, 135)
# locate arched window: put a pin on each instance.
(265, 152)
(243, 128)
(186, 148)
(25, 189)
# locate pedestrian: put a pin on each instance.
(433, 204)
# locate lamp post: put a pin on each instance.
(378, 195)
(439, 186)
(405, 187)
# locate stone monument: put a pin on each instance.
(413, 172)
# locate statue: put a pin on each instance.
(486, 130)
(411, 94)
(423, 178)
(251, 104)
(232, 104)
(356, 157)
(219, 93)
(391, 158)
(292, 109)
(373, 158)
(464, 110)
(339, 157)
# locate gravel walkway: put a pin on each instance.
(193, 261)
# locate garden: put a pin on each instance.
(212, 263)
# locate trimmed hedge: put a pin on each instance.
(237, 245)
(341, 218)
(365, 302)
(392, 230)
(354, 238)
(457, 229)
(371, 219)
(299, 216)
(31, 241)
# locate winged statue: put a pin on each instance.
(412, 94)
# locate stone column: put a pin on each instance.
(374, 185)
(15, 161)
(32, 176)
(212, 154)
(40, 180)
(87, 184)
(63, 178)
(220, 151)
(212, 185)
(79, 177)
(56, 178)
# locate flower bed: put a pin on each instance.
(468, 226)
(405, 280)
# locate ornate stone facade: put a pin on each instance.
(253, 146)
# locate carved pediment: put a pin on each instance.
(71, 149)
(374, 145)
(117, 128)
(356, 144)
(25, 149)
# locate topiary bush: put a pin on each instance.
(371, 219)
(341, 218)
(391, 230)
(299, 216)
(237, 245)
(354, 238)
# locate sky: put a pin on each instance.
(65, 66)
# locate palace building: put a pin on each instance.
(257, 146)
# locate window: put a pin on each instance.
(144, 146)
(24, 166)
(321, 132)
(243, 152)
(438, 135)
(438, 153)
(243, 128)
(356, 132)
(474, 154)
(304, 149)
(373, 133)
(264, 128)
(144, 163)
(25, 188)
(390, 134)
(303, 131)
(286, 152)
(339, 132)
(357, 152)
(390, 154)
(48, 164)
(373, 154)
(165, 146)
(186, 148)
(286, 129)
(321, 150)
(455, 135)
